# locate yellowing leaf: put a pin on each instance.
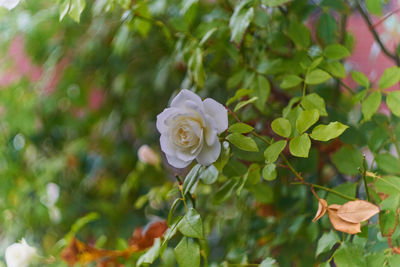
(357, 211)
(322, 206)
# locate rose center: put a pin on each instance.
(184, 134)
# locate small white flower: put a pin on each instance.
(147, 155)
(20, 254)
(189, 129)
(9, 4)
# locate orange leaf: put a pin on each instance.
(357, 211)
(322, 206)
(340, 224)
(144, 238)
(79, 252)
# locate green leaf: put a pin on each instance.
(76, 8)
(306, 119)
(244, 103)
(388, 222)
(187, 253)
(271, 154)
(269, 172)
(327, 29)
(349, 255)
(80, 223)
(314, 101)
(64, 8)
(390, 77)
(242, 142)
(262, 90)
(223, 157)
(282, 127)
(326, 242)
(207, 36)
(240, 20)
(240, 128)
(328, 132)
(274, 3)
(253, 174)
(391, 202)
(268, 262)
(360, 78)
(191, 179)
(196, 68)
(348, 189)
(300, 146)
(376, 259)
(299, 34)
(315, 63)
(191, 225)
(336, 69)
(209, 175)
(393, 102)
(263, 193)
(347, 160)
(290, 81)
(371, 105)
(225, 191)
(336, 51)
(388, 185)
(393, 261)
(152, 254)
(388, 163)
(374, 6)
(317, 76)
(239, 94)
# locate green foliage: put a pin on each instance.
(106, 68)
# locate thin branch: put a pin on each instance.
(367, 19)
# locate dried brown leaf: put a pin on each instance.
(340, 224)
(322, 206)
(357, 211)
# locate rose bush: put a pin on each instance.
(189, 129)
(82, 83)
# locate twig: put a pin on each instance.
(326, 189)
(365, 16)
(385, 17)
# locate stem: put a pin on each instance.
(364, 176)
(348, 88)
(181, 190)
(326, 189)
(365, 16)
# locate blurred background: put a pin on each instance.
(78, 99)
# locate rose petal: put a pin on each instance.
(209, 154)
(185, 95)
(211, 130)
(218, 112)
(163, 116)
(166, 145)
(177, 163)
(185, 155)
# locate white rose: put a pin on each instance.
(20, 254)
(189, 129)
(9, 4)
(147, 155)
